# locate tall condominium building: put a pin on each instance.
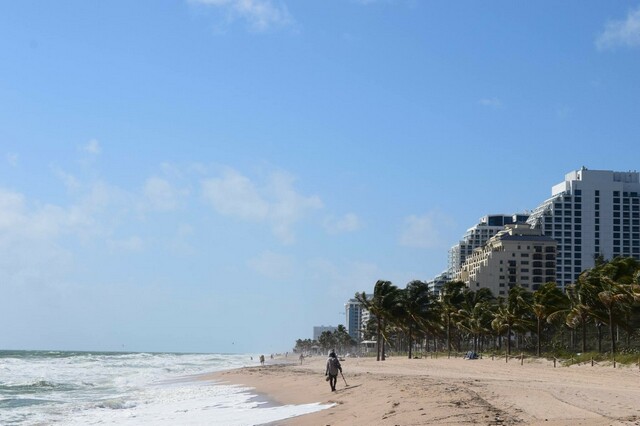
(591, 213)
(435, 285)
(353, 310)
(477, 236)
(319, 329)
(518, 254)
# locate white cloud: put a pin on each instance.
(133, 243)
(235, 195)
(261, 15)
(425, 231)
(272, 265)
(92, 147)
(347, 223)
(563, 111)
(624, 32)
(12, 159)
(490, 102)
(70, 181)
(161, 195)
(276, 202)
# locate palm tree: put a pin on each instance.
(474, 313)
(417, 310)
(548, 303)
(342, 338)
(383, 304)
(512, 315)
(583, 303)
(327, 340)
(451, 298)
(617, 281)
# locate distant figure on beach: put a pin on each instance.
(301, 358)
(261, 359)
(333, 367)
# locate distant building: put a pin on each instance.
(591, 213)
(435, 285)
(353, 312)
(318, 330)
(518, 254)
(477, 236)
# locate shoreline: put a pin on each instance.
(401, 391)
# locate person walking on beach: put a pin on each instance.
(261, 359)
(333, 367)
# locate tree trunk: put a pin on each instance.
(599, 327)
(584, 337)
(409, 341)
(379, 337)
(383, 356)
(509, 340)
(449, 335)
(611, 330)
(539, 345)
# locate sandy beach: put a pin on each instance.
(427, 391)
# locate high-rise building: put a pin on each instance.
(518, 254)
(592, 213)
(477, 236)
(353, 311)
(435, 285)
(319, 329)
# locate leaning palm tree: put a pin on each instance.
(613, 297)
(416, 311)
(451, 298)
(382, 305)
(474, 313)
(548, 303)
(513, 314)
(615, 281)
(584, 305)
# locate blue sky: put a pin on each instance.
(222, 175)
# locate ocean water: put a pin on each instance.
(87, 388)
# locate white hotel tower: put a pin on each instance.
(591, 213)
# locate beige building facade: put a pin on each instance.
(518, 254)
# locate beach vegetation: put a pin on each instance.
(385, 307)
(595, 318)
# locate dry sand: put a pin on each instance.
(454, 391)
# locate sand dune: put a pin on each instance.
(429, 391)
